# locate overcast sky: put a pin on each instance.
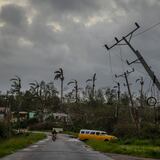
(39, 36)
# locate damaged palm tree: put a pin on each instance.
(93, 84)
(16, 89)
(59, 75)
(75, 87)
(43, 92)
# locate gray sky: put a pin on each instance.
(39, 36)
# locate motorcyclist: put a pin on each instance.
(54, 133)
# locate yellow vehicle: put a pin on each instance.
(86, 134)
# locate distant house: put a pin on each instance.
(32, 115)
(4, 113)
(22, 116)
(59, 117)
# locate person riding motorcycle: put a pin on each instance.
(54, 133)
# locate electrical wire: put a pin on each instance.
(149, 88)
(121, 57)
(146, 30)
(111, 68)
(153, 90)
(123, 61)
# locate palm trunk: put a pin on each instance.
(93, 90)
(76, 94)
(61, 91)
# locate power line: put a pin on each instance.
(136, 52)
(146, 30)
(149, 88)
(111, 69)
(122, 60)
(122, 65)
(120, 54)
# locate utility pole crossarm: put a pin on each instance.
(118, 41)
(145, 65)
(138, 54)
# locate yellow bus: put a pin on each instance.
(86, 134)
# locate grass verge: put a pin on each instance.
(9, 146)
(141, 148)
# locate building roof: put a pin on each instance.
(4, 109)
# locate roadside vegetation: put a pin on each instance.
(87, 107)
(10, 145)
(142, 148)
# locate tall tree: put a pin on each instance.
(59, 75)
(16, 85)
(16, 89)
(45, 94)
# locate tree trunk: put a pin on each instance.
(61, 91)
(76, 93)
(93, 90)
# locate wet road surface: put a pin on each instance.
(64, 148)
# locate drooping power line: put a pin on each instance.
(111, 68)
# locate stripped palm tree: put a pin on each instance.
(34, 88)
(43, 92)
(36, 91)
(93, 83)
(16, 89)
(59, 75)
(75, 87)
(51, 88)
(16, 85)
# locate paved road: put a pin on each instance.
(64, 148)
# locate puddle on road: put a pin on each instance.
(73, 140)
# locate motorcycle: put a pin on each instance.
(53, 137)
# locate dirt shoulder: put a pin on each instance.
(125, 157)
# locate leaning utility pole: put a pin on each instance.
(125, 75)
(133, 111)
(129, 91)
(127, 40)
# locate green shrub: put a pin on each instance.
(124, 130)
(32, 121)
(149, 130)
(5, 130)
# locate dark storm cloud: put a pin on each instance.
(68, 5)
(15, 26)
(47, 34)
(13, 15)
